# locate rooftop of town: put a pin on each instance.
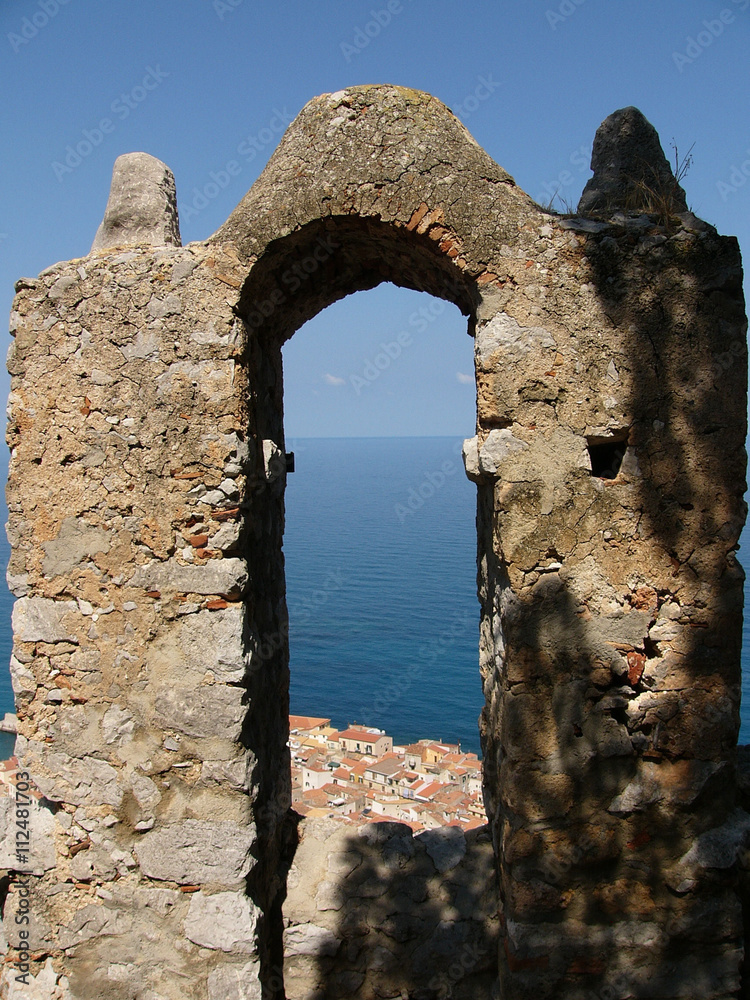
(357, 775)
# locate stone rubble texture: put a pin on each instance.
(150, 662)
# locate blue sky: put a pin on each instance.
(200, 83)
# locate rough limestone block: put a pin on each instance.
(505, 336)
(470, 454)
(41, 854)
(142, 205)
(145, 791)
(670, 784)
(718, 848)
(498, 446)
(225, 921)
(231, 982)
(37, 619)
(93, 863)
(92, 921)
(308, 939)
(197, 851)
(44, 986)
(62, 778)
(117, 725)
(208, 710)
(231, 773)
(23, 681)
(212, 641)
(225, 577)
(627, 156)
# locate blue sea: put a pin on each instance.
(380, 550)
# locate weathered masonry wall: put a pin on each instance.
(377, 911)
(146, 520)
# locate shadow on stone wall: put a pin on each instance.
(601, 867)
(613, 747)
(677, 290)
(377, 912)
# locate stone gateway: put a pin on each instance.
(150, 664)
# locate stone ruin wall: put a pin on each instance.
(146, 521)
(378, 912)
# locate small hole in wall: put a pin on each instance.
(606, 455)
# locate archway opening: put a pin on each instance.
(380, 555)
(385, 690)
(301, 275)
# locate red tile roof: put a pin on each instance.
(360, 735)
(306, 722)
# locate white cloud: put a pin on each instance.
(333, 379)
(464, 379)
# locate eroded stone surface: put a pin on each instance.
(37, 619)
(225, 921)
(226, 577)
(196, 851)
(446, 847)
(75, 541)
(233, 982)
(142, 205)
(41, 826)
(45, 985)
(413, 909)
(62, 778)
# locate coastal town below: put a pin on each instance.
(357, 775)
